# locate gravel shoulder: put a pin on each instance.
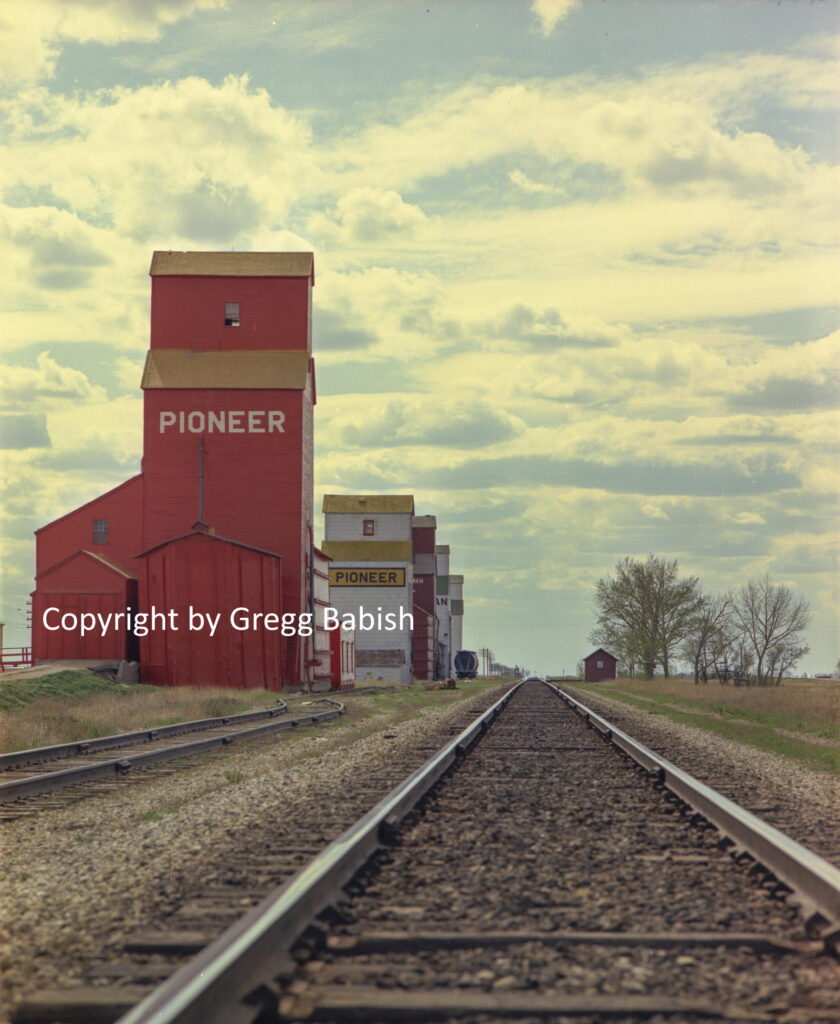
(805, 802)
(76, 881)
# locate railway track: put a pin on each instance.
(545, 878)
(779, 809)
(30, 780)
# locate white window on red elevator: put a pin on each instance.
(231, 314)
(100, 531)
(368, 528)
(600, 664)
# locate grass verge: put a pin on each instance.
(800, 719)
(65, 707)
(74, 705)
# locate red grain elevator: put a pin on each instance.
(229, 390)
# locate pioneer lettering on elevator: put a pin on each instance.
(225, 421)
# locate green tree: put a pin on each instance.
(645, 612)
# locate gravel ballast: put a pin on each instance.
(801, 802)
(546, 831)
(76, 881)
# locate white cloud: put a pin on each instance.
(417, 421)
(529, 185)
(547, 329)
(58, 250)
(513, 252)
(184, 162)
(366, 215)
(114, 426)
(49, 385)
(748, 518)
(550, 12)
(128, 372)
(660, 131)
(31, 33)
(97, 181)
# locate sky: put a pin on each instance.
(576, 272)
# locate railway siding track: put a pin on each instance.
(539, 880)
(29, 775)
(56, 752)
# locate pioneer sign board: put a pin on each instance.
(225, 421)
(378, 576)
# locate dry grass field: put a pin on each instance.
(75, 705)
(799, 719)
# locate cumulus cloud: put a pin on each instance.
(370, 215)
(748, 518)
(334, 333)
(49, 385)
(550, 12)
(791, 394)
(128, 372)
(794, 379)
(631, 476)
(518, 332)
(185, 161)
(548, 328)
(658, 131)
(62, 250)
(23, 430)
(31, 34)
(730, 437)
(529, 185)
(423, 421)
(387, 309)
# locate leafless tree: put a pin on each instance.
(707, 645)
(645, 611)
(771, 621)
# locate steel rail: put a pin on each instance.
(241, 959)
(49, 781)
(814, 882)
(58, 751)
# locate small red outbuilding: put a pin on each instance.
(197, 575)
(84, 584)
(599, 665)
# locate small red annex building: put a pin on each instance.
(207, 581)
(220, 515)
(599, 665)
(84, 583)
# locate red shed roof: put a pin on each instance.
(209, 536)
(107, 562)
(600, 650)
